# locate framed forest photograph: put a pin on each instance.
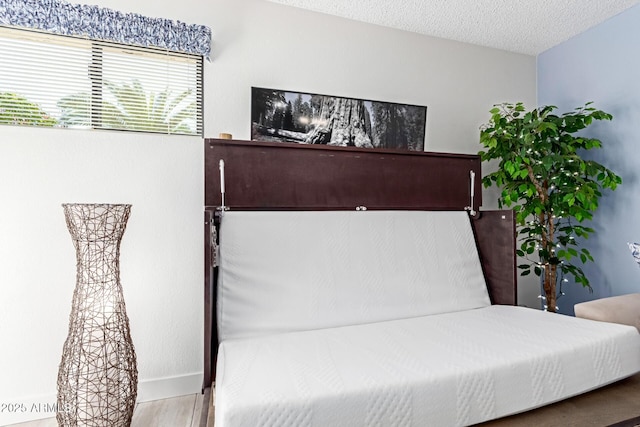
(305, 118)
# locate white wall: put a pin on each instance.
(161, 253)
(256, 43)
(287, 48)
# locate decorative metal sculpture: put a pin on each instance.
(98, 377)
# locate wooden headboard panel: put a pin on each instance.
(276, 176)
(290, 176)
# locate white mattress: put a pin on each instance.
(292, 271)
(441, 370)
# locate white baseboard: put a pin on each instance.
(32, 408)
(164, 388)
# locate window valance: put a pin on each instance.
(60, 17)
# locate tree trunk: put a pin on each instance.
(343, 124)
(550, 275)
(547, 243)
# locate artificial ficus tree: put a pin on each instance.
(549, 185)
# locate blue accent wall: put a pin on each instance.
(603, 65)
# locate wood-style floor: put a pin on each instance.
(183, 411)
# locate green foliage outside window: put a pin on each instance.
(15, 109)
(134, 109)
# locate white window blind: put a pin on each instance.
(69, 82)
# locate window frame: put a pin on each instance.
(97, 91)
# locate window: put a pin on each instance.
(70, 82)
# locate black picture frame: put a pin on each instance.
(308, 118)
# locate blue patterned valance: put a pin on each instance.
(98, 23)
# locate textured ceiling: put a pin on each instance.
(523, 26)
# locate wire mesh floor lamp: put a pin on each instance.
(98, 377)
